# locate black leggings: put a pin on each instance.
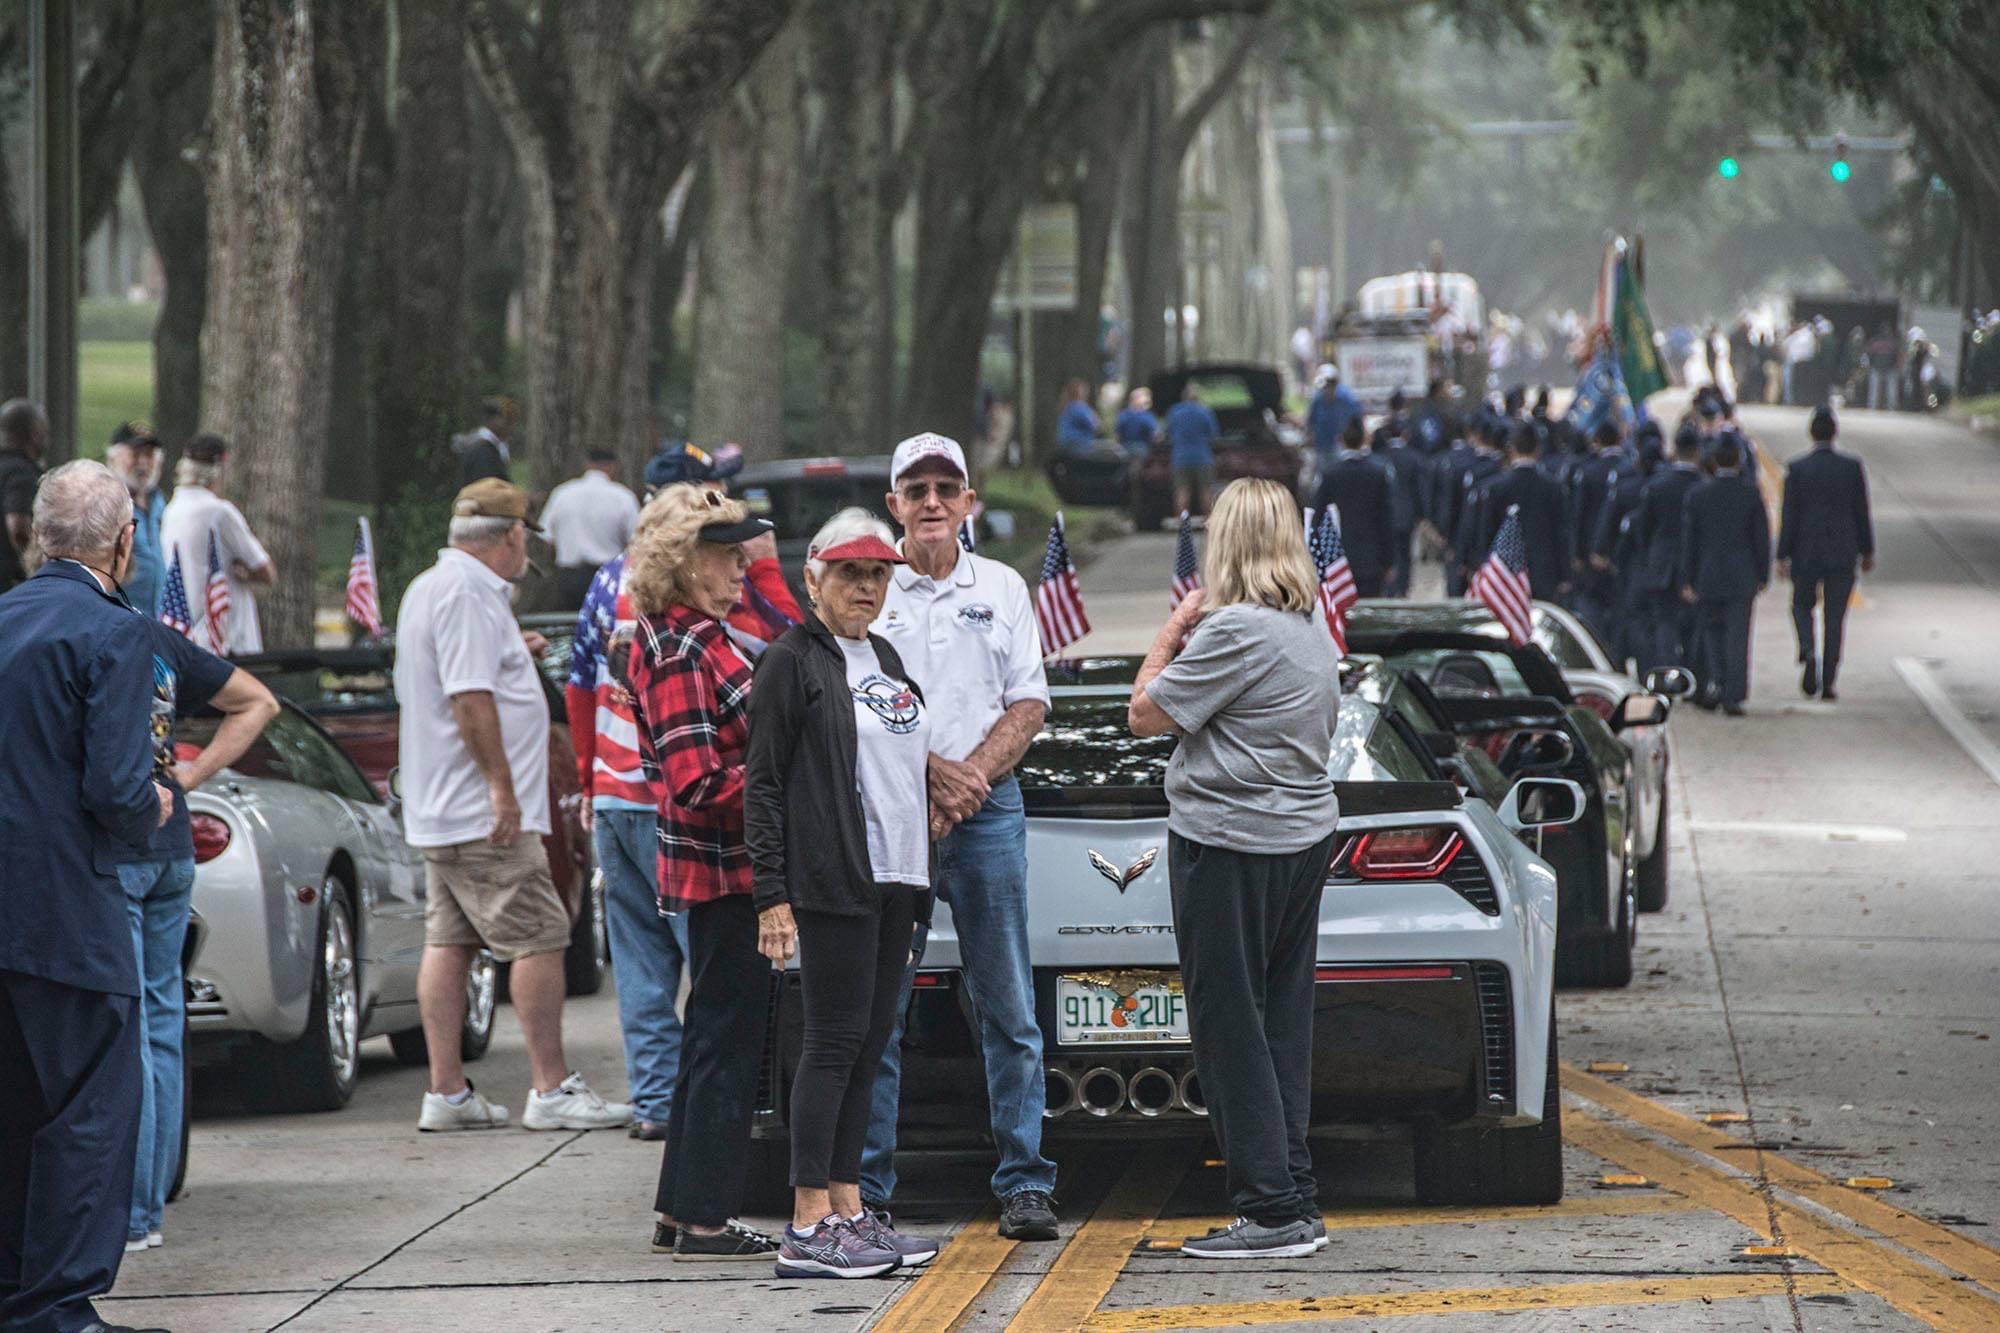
(851, 969)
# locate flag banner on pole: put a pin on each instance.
(1187, 570)
(1058, 599)
(1336, 579)
(364, 607)
(1600, 394)
(216, 598)
(1502, 582)
(174, 611)
(1632, 331)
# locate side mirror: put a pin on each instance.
(1641, 710)
(1673, 682)
(1536, 750)
(1539, 803)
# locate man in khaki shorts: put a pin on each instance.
(474, 758)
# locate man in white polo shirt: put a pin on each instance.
(589, 522)
(965, 627)
(474, 754)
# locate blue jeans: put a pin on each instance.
(983, 877)
(157, 897)
(647, 954)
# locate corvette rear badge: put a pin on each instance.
(1122, 879)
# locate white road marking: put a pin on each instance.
(1923, 683)
(1825, 832)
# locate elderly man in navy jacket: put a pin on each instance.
(1823, 531)
(76, 790)
(1725, 563)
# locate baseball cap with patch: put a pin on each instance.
(920, 447)
(679, 461)
(490, 497)
(136, 433)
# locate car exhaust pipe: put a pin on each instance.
(1191, 1097)
(1059, 1092)
(1101, 1092)
(1152, 1092)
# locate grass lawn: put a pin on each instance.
(115, 385)
(1986, 405)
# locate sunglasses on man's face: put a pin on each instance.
(916, 492)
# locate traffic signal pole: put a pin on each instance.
(53, 244)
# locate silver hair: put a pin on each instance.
(191, 472)
(845, 526)
(479, 530)
(80, 508)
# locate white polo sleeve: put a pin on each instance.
(1022, 676)
(468, 655)
(236, 539)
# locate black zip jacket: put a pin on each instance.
(802, 818)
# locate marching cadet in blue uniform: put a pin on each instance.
(1715, 419)
(1670, 620)
(1725, 563)
(1461, 493)
(1359, 488)
(1824, 530)
(1544, 513)
(1590, 483)
(1615, 548)
(1392, 452)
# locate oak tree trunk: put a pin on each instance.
(167, 150)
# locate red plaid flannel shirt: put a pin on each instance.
(693, 709)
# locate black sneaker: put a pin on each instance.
(1028, 1215)
(1809, 679)
(663, 1237)
(734, 1241)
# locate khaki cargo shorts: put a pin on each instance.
(501, 897)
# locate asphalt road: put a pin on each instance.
(1824, 987)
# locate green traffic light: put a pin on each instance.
(1839, 170)
(1728, 168)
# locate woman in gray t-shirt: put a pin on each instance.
(1246, 674)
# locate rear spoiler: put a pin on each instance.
(1357, 799)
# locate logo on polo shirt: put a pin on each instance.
(895, 705)
(978, 616)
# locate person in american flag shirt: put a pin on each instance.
(648, 951)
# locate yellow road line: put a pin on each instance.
(954, 1279)
(1102, 1246)
(1921, 1292)
(1960, 1253)
(1589, 1205)
(1469, 1300)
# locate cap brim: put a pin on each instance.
(734, 534)
(863, 548)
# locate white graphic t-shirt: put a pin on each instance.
(891, 752)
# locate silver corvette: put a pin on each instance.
(310, 921)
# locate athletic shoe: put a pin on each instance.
(836, 1248)
(1809, 679)
(440, 1115)
(1733, 710)
(154, 1240)
(1245, 1239)
(652, 1131)
(135, 1245)
(875, 1228)
(574, 1106)
(1028, 1215)
(734, 1241)
(663, 1237)
(1318, 1225)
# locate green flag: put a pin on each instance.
(1632, 330)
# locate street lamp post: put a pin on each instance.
(52, 221)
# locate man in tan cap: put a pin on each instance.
(474, 754)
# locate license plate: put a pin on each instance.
(1109, 1008)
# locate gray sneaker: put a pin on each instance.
(1245, 1239)
(1318, 1225)
(875, 1228)
(835, 1249)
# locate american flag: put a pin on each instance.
(1336, 579)
(363, 606)
(218, 599)
(1058, 600)
(1187, 571)
(1502, 582)
(174, 611)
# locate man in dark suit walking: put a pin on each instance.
(1725, 563)
(1658, 523)
(76, 791)
(1596, 594)
(1468, 464)
(1824, 530)
(1359, 488)
(1544, 514)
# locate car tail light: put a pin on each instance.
(1404, 853)
(211, 838)
(1602, 705)
(927, 980)
(1416, 973)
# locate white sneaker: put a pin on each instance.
(475, 1112)
(154, 1240)
(137, 1246)
(574, 1106)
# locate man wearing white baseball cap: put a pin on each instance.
(965, 626)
